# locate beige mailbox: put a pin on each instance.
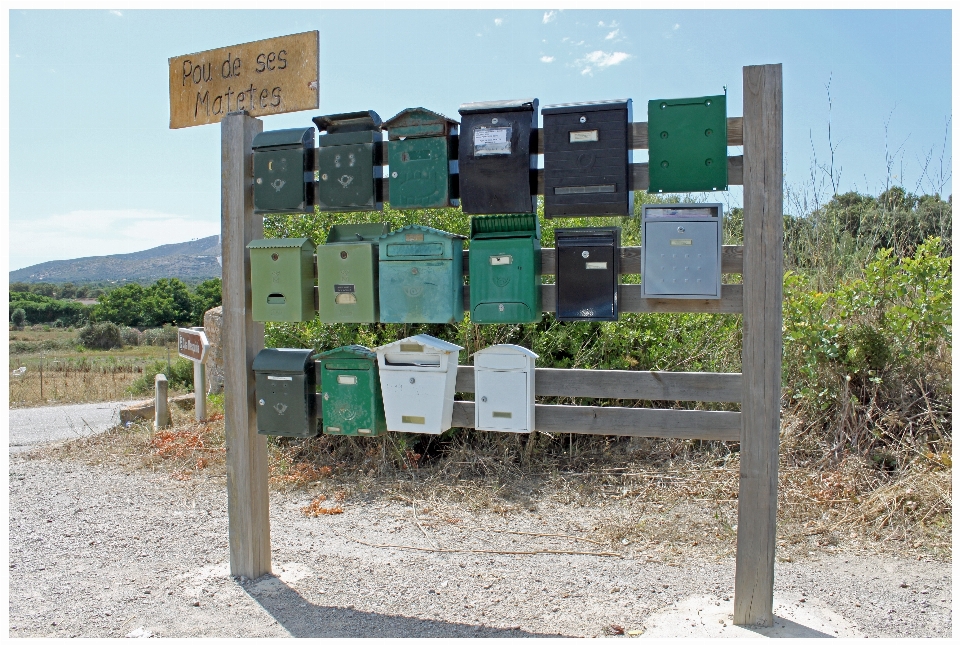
(418, 377)
(504, 388)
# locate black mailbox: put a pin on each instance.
(586, 159)
(588, 270)
(494, 157)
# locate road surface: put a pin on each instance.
(31, 426)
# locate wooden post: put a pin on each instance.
(241, 339)
(199, 391)
(161, 409)
(762, 342)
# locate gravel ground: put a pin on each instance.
(98, 552)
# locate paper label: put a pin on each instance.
(497, 260)
(584, 136)
(279, 378)
(491, 141)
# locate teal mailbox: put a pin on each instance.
(505, 269)
(421, 276)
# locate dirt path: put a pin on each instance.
(99, 552)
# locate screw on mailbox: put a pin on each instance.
(583, 119)
(262, 402)
(413, 380)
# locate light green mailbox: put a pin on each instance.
(421, 276)
(347, 273)
(281, 272)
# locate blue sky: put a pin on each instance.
(94, 169)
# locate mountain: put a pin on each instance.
(196, 259)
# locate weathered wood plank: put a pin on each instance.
(706, 425)
(247, 499)
(762, 342)
(626, 384)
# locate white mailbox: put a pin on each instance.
(504, 388)
(418, 377)
(681, 251)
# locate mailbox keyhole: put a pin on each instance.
(483, 399)
(413, 380)
(583, 119)
(343, 255)
(275, 257)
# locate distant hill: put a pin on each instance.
(194, 260)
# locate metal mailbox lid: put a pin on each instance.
(286, 361)
(416, 242)
(504, 357)
(367, 120)
(492, 226)
(414, 347)
(656, 212)
(589, 106)
(504, 404)
(349, 352)
(283, 243)
(357, 233)
(289, 138)
(588, 269)
(419, 122)
(514, 105)
(688, 144)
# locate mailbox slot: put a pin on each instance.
(505, 270)
(347, 166)
(504, 388)
(681, 255)
(419, 157)
(350, 387)
(281, 282)
(588, 269)
(285, 387)
(348, 273)
(688, 144)
(283, 171)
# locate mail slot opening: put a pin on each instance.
(411, 361)
(276, 299)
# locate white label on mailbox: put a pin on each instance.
(596, 265)
(584, 136)
(343, 379)
(497, 260)
(681, 242)
(491, 141)
(279, 378)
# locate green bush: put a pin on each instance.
(103, 335)
(18, 317)
(130, 336)
(179, 376)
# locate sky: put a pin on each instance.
(94, 168)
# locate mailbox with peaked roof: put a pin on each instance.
(281, 271)
(418, 376)
(494, 156)
(421, 276)
(347, 273)
(350, 387)
(347, 165)
(688, 144)
(286, 392)
(419, 156)
(505, 269)
(504, 388)
(283, 171)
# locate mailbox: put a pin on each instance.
(688, 144)
(281, 282)
(494, 156)
(504, 388)
(347, 163)
(421, 276)
(347, 273)
(418, 376)
(286, 392)
(350, 386)
(419, 156)
(283, 171)
(586, 159)
(505, 269)
(681, 251)
(588, 269)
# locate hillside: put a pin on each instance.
(197, 259)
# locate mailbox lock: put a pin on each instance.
(483, 399)
(494, 120)
(262, 402)
(414, 270)
(585, 254)
(394, 174)
(413, 380)
(323, 176)
(343, 255)
(583, 119)
(680, 229)
(259, 180)
(275, 257)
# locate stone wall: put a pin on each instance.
(212, 323)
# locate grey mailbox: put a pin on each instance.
(286, 392)
(681, 251)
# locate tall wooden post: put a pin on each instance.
(762, 342)
(241, 338)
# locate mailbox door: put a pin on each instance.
(494, 163)
(419, 173)
(350, 393)
(681, 259)
(505, 280)
(416, 406)
(501, 400)
(283, 407)
(278, 285)
(688, 144)
(346, 178)
(420, 291)
(280, 183)
(347, 281)
(586, 282)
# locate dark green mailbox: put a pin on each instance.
(350, 386)
(283, 171)
(688, 144)
(281, 284)
(347, 166)
(421, 276)
(419, 156)
(347, 273)
(286, 392)
(505, 269)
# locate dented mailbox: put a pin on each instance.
(586, 159)
(347, 166)
(588, 269)
(418, 377)
(504, 388)
(283, 171)
(281, 283)
(350, 386)
(505, 269)
(419, 156)
(681, 251)
(347, 273)
(286, 392)
(688, 144)
(494, 156)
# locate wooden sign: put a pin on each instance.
(265, 77)
(192, 343)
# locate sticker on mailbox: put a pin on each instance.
(344, 288)
(584, 136)
(497, 260)
(491, 141)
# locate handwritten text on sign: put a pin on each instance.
(192, 343)
(265, 77)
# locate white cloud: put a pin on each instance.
(116, 13)
(600, 59)
(546, 59)
(676, 26)
(549, 16)
(498, 21)
(89, 233)
(612, 34)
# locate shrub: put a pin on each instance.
(104, 335)
(130, 336)
(159, 335)
(179, 376)
(18, 317)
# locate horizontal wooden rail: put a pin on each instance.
(627, 384)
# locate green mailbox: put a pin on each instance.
(419, 155)
(281, 271)
(350, 386)
(347, 273)
(421, 276)
(286, 392)
(505, 269)
(283, 171)
(347, 163)
(688, 144)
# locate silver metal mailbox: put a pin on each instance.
(681, 251)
